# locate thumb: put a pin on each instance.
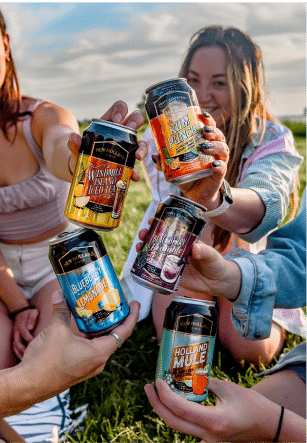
(74, 143)
(209, 262)
(221, 388)
(203, 252)
(60, 310)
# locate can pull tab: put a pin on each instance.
(63, 234)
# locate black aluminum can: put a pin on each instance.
(176, 121)
(102, 175)
(166, 252)
(187, 346)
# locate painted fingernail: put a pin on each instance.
(215, 164)
(154, 158)
(208, 129)
(204, 145)
(206, 114)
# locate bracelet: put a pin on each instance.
(13, 314)
(279, 425)
(68, 165)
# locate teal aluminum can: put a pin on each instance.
(187, 346)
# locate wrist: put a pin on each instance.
(230, 284)
(12, 315)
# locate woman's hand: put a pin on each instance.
(57, 359)
(24, 324)
(205, 191)
(240, 414)
(117, 114)
(208, 272)
(61, 359)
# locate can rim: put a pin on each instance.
(113, 124)
(62, 237)
(193, 301)
(203, 208)
(164, 81)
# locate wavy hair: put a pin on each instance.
(247, 86)
(10, 99)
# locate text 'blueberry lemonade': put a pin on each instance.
(88, 280)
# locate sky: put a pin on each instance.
(85, 56)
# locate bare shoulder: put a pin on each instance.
(47, 115)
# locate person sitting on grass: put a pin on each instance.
(253, 152)
(275, 408)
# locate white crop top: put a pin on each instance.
(36, 205)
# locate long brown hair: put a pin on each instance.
(247, 85)
(10, 99)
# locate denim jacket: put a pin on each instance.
(276, 277)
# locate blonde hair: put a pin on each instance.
(247, 86)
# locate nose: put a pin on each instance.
(204, 94)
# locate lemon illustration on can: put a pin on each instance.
(78, 190)
(80, 202)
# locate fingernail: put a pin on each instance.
(215, 164)
(154, 159)
(117, 118)
(208, 129)
(57, 297)
(204, 145)
(132, 125)
(206, 114)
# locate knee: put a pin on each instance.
(255, 352)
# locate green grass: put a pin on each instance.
(118, 407)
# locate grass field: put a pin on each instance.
(118, 407)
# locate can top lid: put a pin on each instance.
(191, 202)
(66, 235)
(176, 79)
(194, 301)
(114, 125)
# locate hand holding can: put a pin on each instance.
(162, 260)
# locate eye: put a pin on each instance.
(192, 80)
(219, 84)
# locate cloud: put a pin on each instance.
(86, 56)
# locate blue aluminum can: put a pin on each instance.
(88, 280)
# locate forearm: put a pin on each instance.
(245, 213)
(56, 153)
(293, 427)
(10, 293)
(17, 391)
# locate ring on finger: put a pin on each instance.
(118, 339)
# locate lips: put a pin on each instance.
(209, 110)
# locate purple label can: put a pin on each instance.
(161, 262)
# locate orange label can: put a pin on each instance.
(173, 112)
(102, 176)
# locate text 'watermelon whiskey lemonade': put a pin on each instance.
(187, 345)
(165, 254)
(174, 114)
(88, 280)
(102, 175)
